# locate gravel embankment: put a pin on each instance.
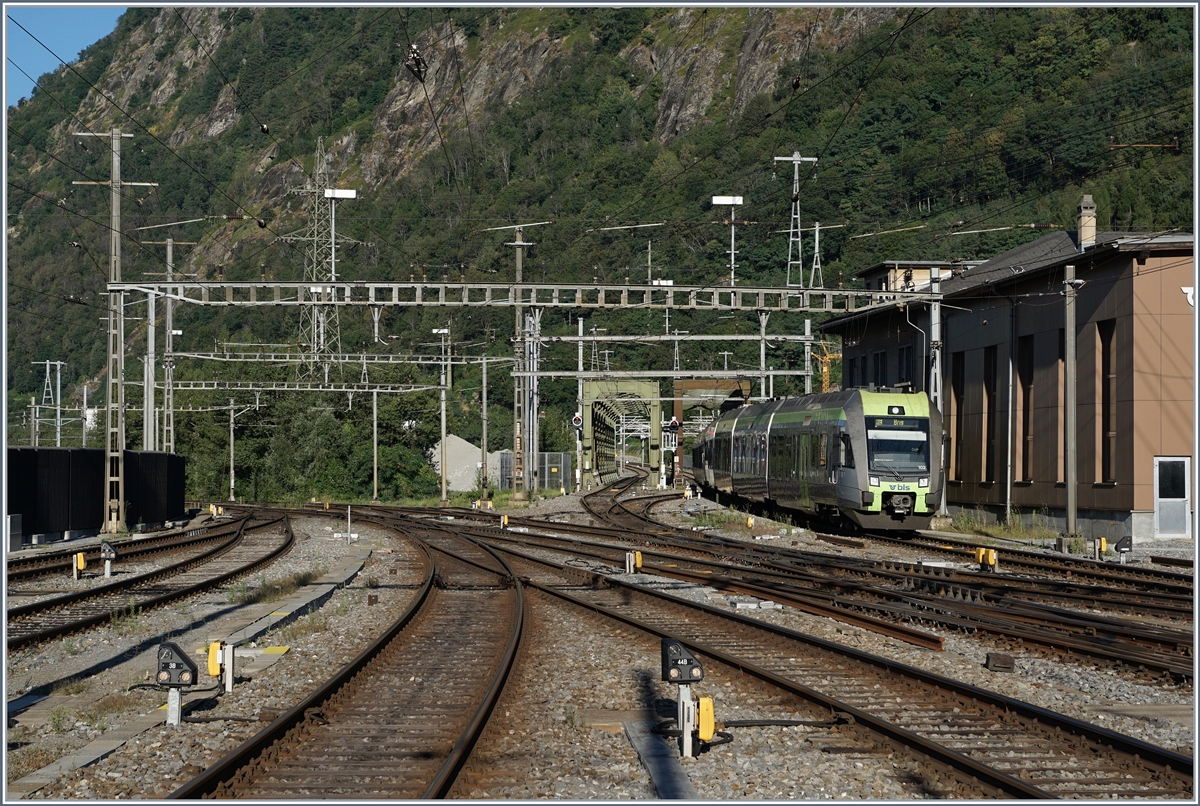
(548, 737)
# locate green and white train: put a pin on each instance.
(870, 458)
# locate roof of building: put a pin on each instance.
(914, 264)
(1055, 249)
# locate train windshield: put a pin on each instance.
(898, 445)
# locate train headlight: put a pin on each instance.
(874, 480)
(923, 482)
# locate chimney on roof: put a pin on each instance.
(1087, 223)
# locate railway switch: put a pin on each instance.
(986, 558)
(678, 664)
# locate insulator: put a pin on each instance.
(262, 127)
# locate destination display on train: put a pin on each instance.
(901, 423)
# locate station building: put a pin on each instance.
(1003, 376)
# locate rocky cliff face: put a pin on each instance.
(707, 64)
(710, 62)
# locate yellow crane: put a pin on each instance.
(826, 356)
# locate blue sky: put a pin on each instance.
(64, 29)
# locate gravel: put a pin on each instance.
(557, 732)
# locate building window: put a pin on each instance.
(904, 366)
(879, 377)
(958, 391)
(991, 415)
(1025, 379)
(1106, 332)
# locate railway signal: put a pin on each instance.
(175, 668)
(680, 666)
(108, 554)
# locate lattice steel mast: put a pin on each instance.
(320, 330)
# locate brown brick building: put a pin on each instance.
(1003, 376)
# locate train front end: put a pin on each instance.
(901, 485)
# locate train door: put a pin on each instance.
(803, 456)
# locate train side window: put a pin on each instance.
(847, 451)
(823, 451)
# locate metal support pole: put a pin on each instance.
(732, 252)
(1012, 409)
(149, 435)
(114, 520)
(445, 501)
(483, 442)
(1070, 414)
(58, 365)
(169, 360)
(375, 444)
(83, 417)
(808, 358)
(762, 353)
(519, 382)
(579, 408)
(935, 373)
(231, 498)
(114, 447)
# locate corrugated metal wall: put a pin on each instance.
(62, 489)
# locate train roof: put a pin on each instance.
(870, 401)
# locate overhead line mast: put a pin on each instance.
(816, 279)
(114, 440)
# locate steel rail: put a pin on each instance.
(56, 631)
(1157, 756)
(19, 568)
(206, 783)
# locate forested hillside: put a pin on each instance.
(931, 121)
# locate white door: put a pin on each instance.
(1172, 500)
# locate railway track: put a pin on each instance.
(895, 598)
(400, 719)
(60, 560)
(246, 546)
(1076, 569)
(1010, 748)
